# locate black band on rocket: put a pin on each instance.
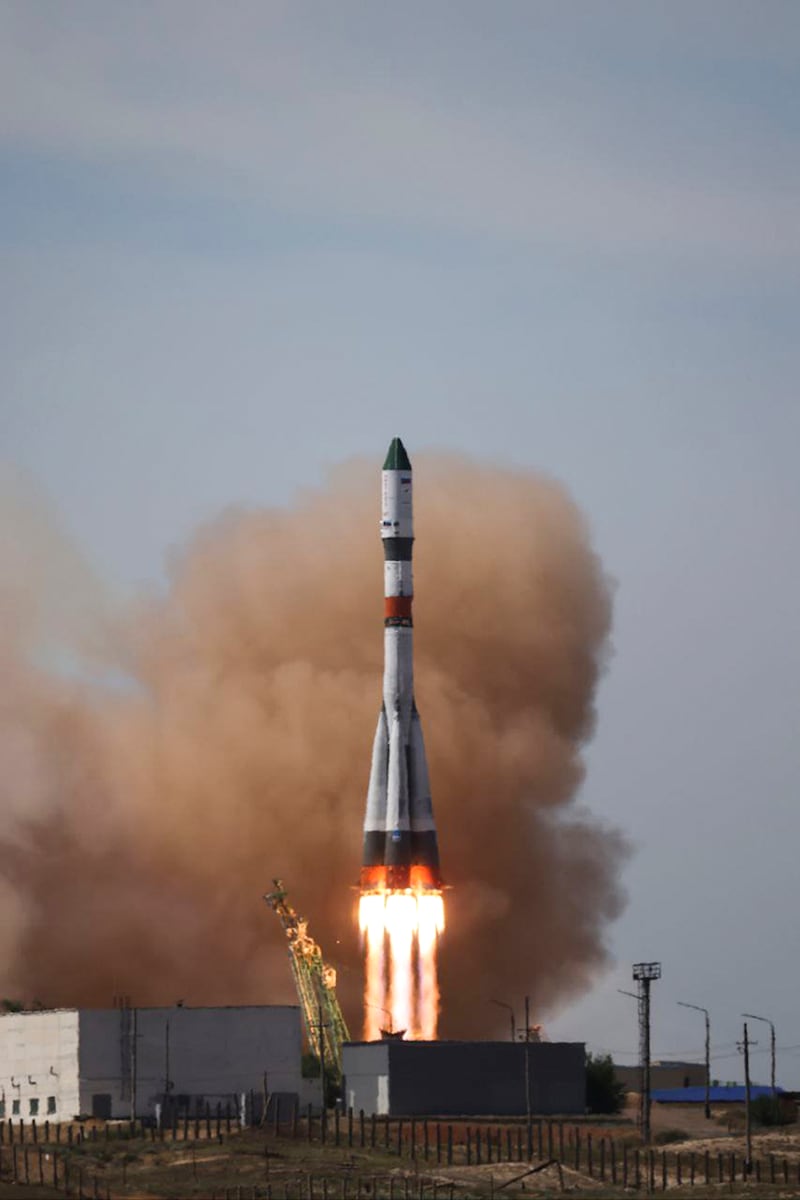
(397, 549)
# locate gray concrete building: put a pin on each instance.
(663, 1074)
(110, 1062)
(398, 1078)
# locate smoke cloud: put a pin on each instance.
(159, 765)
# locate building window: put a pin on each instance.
(51, 1104)
(15, 1108)
(2, 1108)
(34, 1106)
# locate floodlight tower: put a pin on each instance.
(644, 973)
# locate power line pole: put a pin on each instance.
(134, 1056)
(767, 1021)
(528, 1075)
(744, 1047)
(644, 974)
(322, 1026)
(698, 1008)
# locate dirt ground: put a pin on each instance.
(255, 1165)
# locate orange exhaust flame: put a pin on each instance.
(401, 931)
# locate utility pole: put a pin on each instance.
(322, 1027)
(697, 1008)
(528, 1075)
(134, 1047)
(644, 974)
(510, 1007)
(767, 1021)
(745, 1049)
(167, 1083)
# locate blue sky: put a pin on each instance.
(241, 243)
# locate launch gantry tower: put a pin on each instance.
(315, 981)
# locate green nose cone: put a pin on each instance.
(396, 457)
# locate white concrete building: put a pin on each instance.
(58, 1064)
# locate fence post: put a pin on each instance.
(399, 1138)
(372, 1130)
(637, 1162)
(603, 1158)
(469, 1146)
(577, 1148)
(438, 1143)
(478, 1145)
(624, 1165)
(706, 1165)
(589, 1163)
(539, 1139)
(361, 1127)
(336, 1129)
(425, 1146)
(450, 1145)
(678, 1169)
(509, 1155)
(663, 1170)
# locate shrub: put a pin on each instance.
(665, 1136)
(768, 1111)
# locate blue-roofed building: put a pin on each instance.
(725, 1094)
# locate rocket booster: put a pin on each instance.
(400, 844)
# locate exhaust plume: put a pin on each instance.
(159, 766)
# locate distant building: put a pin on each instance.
(398, 1078)
(61, 1063)
(664, 1074)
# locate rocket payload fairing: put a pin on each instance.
(400, 844)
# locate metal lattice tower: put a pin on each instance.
(315, 981)
(644, 974)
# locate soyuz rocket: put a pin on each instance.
(400, 845)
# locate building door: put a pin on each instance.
(101, 1106)
(383, 1095)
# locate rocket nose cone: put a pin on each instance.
(396, 457)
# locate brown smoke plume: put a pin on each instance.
(220, 734)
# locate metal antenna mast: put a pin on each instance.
(644, 974)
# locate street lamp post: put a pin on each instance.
(698, 1008)
(510, 1007)
(766, 1020)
